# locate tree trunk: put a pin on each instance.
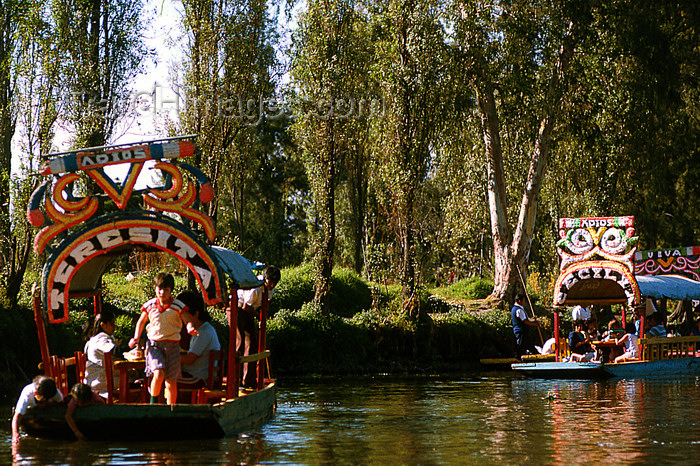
(511, 252)
(411, 303)
(326, 201)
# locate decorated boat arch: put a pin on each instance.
(87, 218)
(600, 265)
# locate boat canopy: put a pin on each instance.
(82, 235)
(668, 286)
(237, 267)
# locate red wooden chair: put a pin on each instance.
(109, 375)
(213, 390)
(59, 374)
(80, 363)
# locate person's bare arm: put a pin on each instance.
(187, 320)
(140, 325)
(71, 422)
(532, 323)
(16, 420)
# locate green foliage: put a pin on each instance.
(309, 340)
(470, 288)
(349, 293)
(294, 289)
(19, 351)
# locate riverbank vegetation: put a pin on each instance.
(366, 332)
(383, 153)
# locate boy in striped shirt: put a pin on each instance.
(165, 317)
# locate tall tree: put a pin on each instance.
(101, 50)
(229, 85)
(20, 28)
(524, 45)
(410, 66)
(329, 64)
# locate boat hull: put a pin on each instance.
(561, 370)
(662, 368)
(591, 370)
(154, 422)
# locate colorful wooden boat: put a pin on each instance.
(81, 241)
(600, 265)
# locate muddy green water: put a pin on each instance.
(487, 418)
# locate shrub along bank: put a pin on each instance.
(366, 332)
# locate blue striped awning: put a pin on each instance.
(668, 286)
(237, 267)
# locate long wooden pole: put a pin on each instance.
(232, 377)
(539, 330)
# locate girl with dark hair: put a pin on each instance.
(101, 341)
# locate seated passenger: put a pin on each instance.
(195, 364)
(656, 326)
(101, 341)
(631, 342)
(614, 331)
(580, 344)
(592, 329)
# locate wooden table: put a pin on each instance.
(606, 347)
(604, 344)
(124, 367)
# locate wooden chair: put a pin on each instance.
(80, 364)
(213, 389)
(59, 373)
(109, 375)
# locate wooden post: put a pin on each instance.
(557, 350)
(263, 332)
(232, 377)
(41, 332)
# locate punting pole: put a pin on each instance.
(262, 340)
(41, 331)
(539, 330)
(232, 378)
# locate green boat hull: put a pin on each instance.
(154, 422)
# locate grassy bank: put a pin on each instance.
(366, 332)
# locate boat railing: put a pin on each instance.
(254, 357)
(660, 348)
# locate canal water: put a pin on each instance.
(490, 418)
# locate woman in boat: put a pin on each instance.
(101, 341)
(656, 326)
(580, 344)
(195, 364)
(631, 342)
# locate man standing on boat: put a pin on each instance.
(249, 304)
(520, 327)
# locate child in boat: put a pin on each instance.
(580, 344)
(631, 342)
(101, 341)
(614, 331)
(81, 395)
(164, 316)
(40, 392)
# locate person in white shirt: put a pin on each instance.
(40, 392)
(249, 304)
(195, 364)
(101, 341)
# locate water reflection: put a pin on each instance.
(485, 418)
